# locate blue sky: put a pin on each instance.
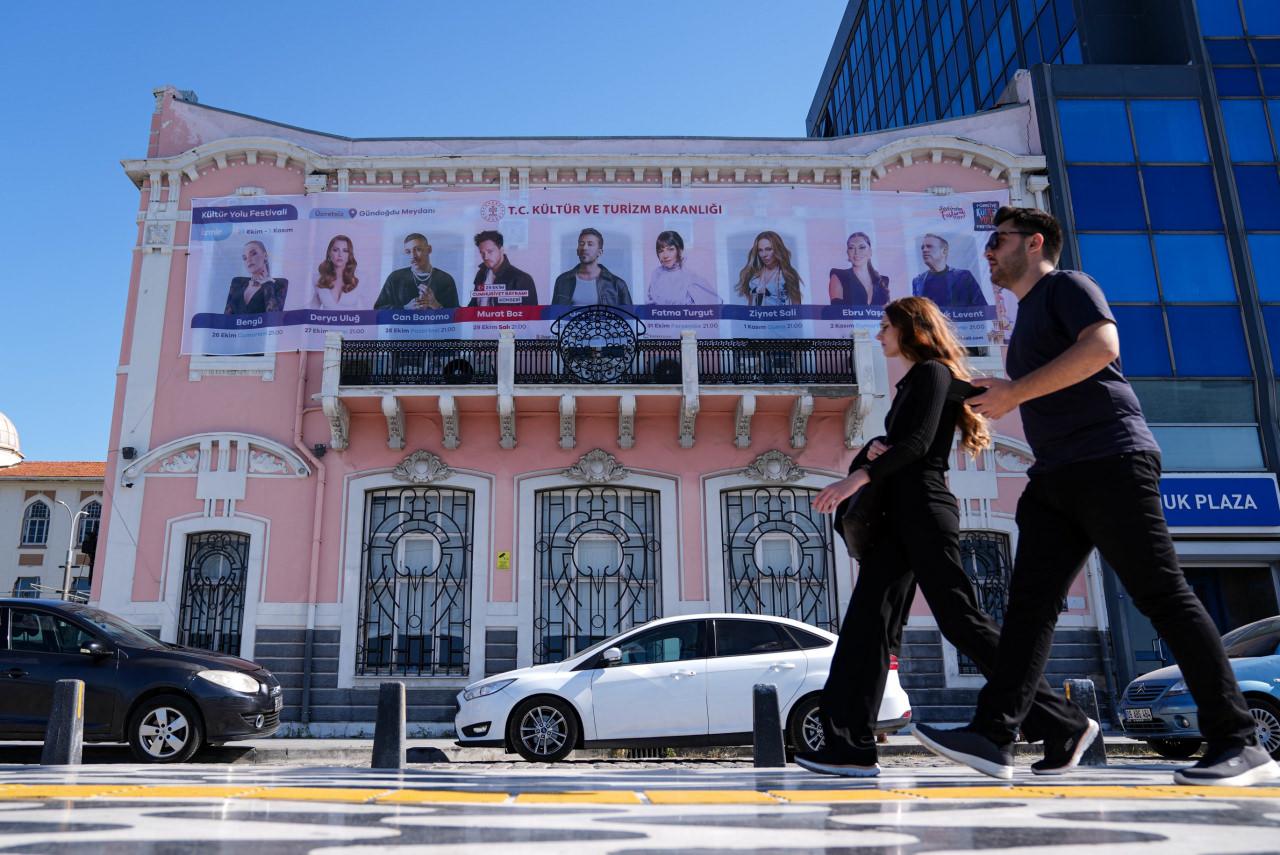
(78, 99)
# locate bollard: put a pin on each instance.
(1083, 695)
(64, 735)
(767, 724)
(388, 730)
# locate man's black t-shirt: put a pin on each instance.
(1097, 417)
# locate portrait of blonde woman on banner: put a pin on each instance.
(259, 291)
(672, 283)
(768, 278)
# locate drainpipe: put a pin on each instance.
(308, 645)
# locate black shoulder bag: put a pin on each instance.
(859, 518)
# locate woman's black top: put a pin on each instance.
(921, 423)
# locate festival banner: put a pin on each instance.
(275, 273)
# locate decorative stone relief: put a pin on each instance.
(1012, 461)
(421, 467)
(264, 463)
(627, 421)
(800, 412)
(689, 406)
(183, 461)
(597, 467)
(742, 420)
(158, 234)
(775, 467)
(507, 421)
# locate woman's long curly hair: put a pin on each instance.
(790, 278)
(328, 273)
(925, 333)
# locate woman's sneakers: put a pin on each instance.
(838, 757)
(1062, 755)
(1232, 766)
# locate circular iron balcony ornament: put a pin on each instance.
(597, 343)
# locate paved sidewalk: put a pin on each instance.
(632, 807)
(358, 752)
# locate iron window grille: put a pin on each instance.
(778, 555)
(598, 563)
(213, 591)
(415, 608)
(985, 556)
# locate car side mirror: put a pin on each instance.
(95, 649)
(611, 656)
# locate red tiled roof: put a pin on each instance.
(69, 469)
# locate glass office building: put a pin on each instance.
(1160, 125)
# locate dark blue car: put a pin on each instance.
(166, 701)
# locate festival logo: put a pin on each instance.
(984, 216)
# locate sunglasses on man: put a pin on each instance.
(993, 242)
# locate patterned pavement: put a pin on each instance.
(620, 808)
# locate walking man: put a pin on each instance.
(1095, 483)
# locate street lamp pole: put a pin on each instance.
(71, 547)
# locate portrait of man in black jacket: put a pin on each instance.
(420, 285)
(590, 282)
(498, 282)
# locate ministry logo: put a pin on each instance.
(984, 216)
(491, 210)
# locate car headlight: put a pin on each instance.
(481, 689)
(1178, 688)
(233, 680)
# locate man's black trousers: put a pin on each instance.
(1114, 504)
(921, 546)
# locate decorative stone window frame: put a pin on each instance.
(748, 478)
(670, 563)
(261, 365)
(177, 530)
(355, 486)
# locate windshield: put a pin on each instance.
(1260, 638)
(116, 629)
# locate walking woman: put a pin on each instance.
(917, 543)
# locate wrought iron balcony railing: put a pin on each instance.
(720, 362)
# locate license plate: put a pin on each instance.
(1142, 714)
(280, 703)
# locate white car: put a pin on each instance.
(684, 680)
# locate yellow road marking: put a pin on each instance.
(184, 791)
(1221, 792)
(61, 791)
(411, 797)
(709, 797)
(992, 792)
(591, 797)
(319, 794)
(811, 796)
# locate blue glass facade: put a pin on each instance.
(910, 61)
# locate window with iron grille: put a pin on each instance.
(213, 591)
(598, 561)
(25, 587)
(35, 524)
(91, 520)
(778, 555)
(985, 556)
(415, 608)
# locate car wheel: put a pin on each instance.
(1174, 749)
(1266, 716)
(805, 731)
(544, 730)
(165, 729)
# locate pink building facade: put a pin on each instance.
(344, 528)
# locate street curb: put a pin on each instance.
(314, 752)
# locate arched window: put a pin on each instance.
(90, 521)
(35, 524)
